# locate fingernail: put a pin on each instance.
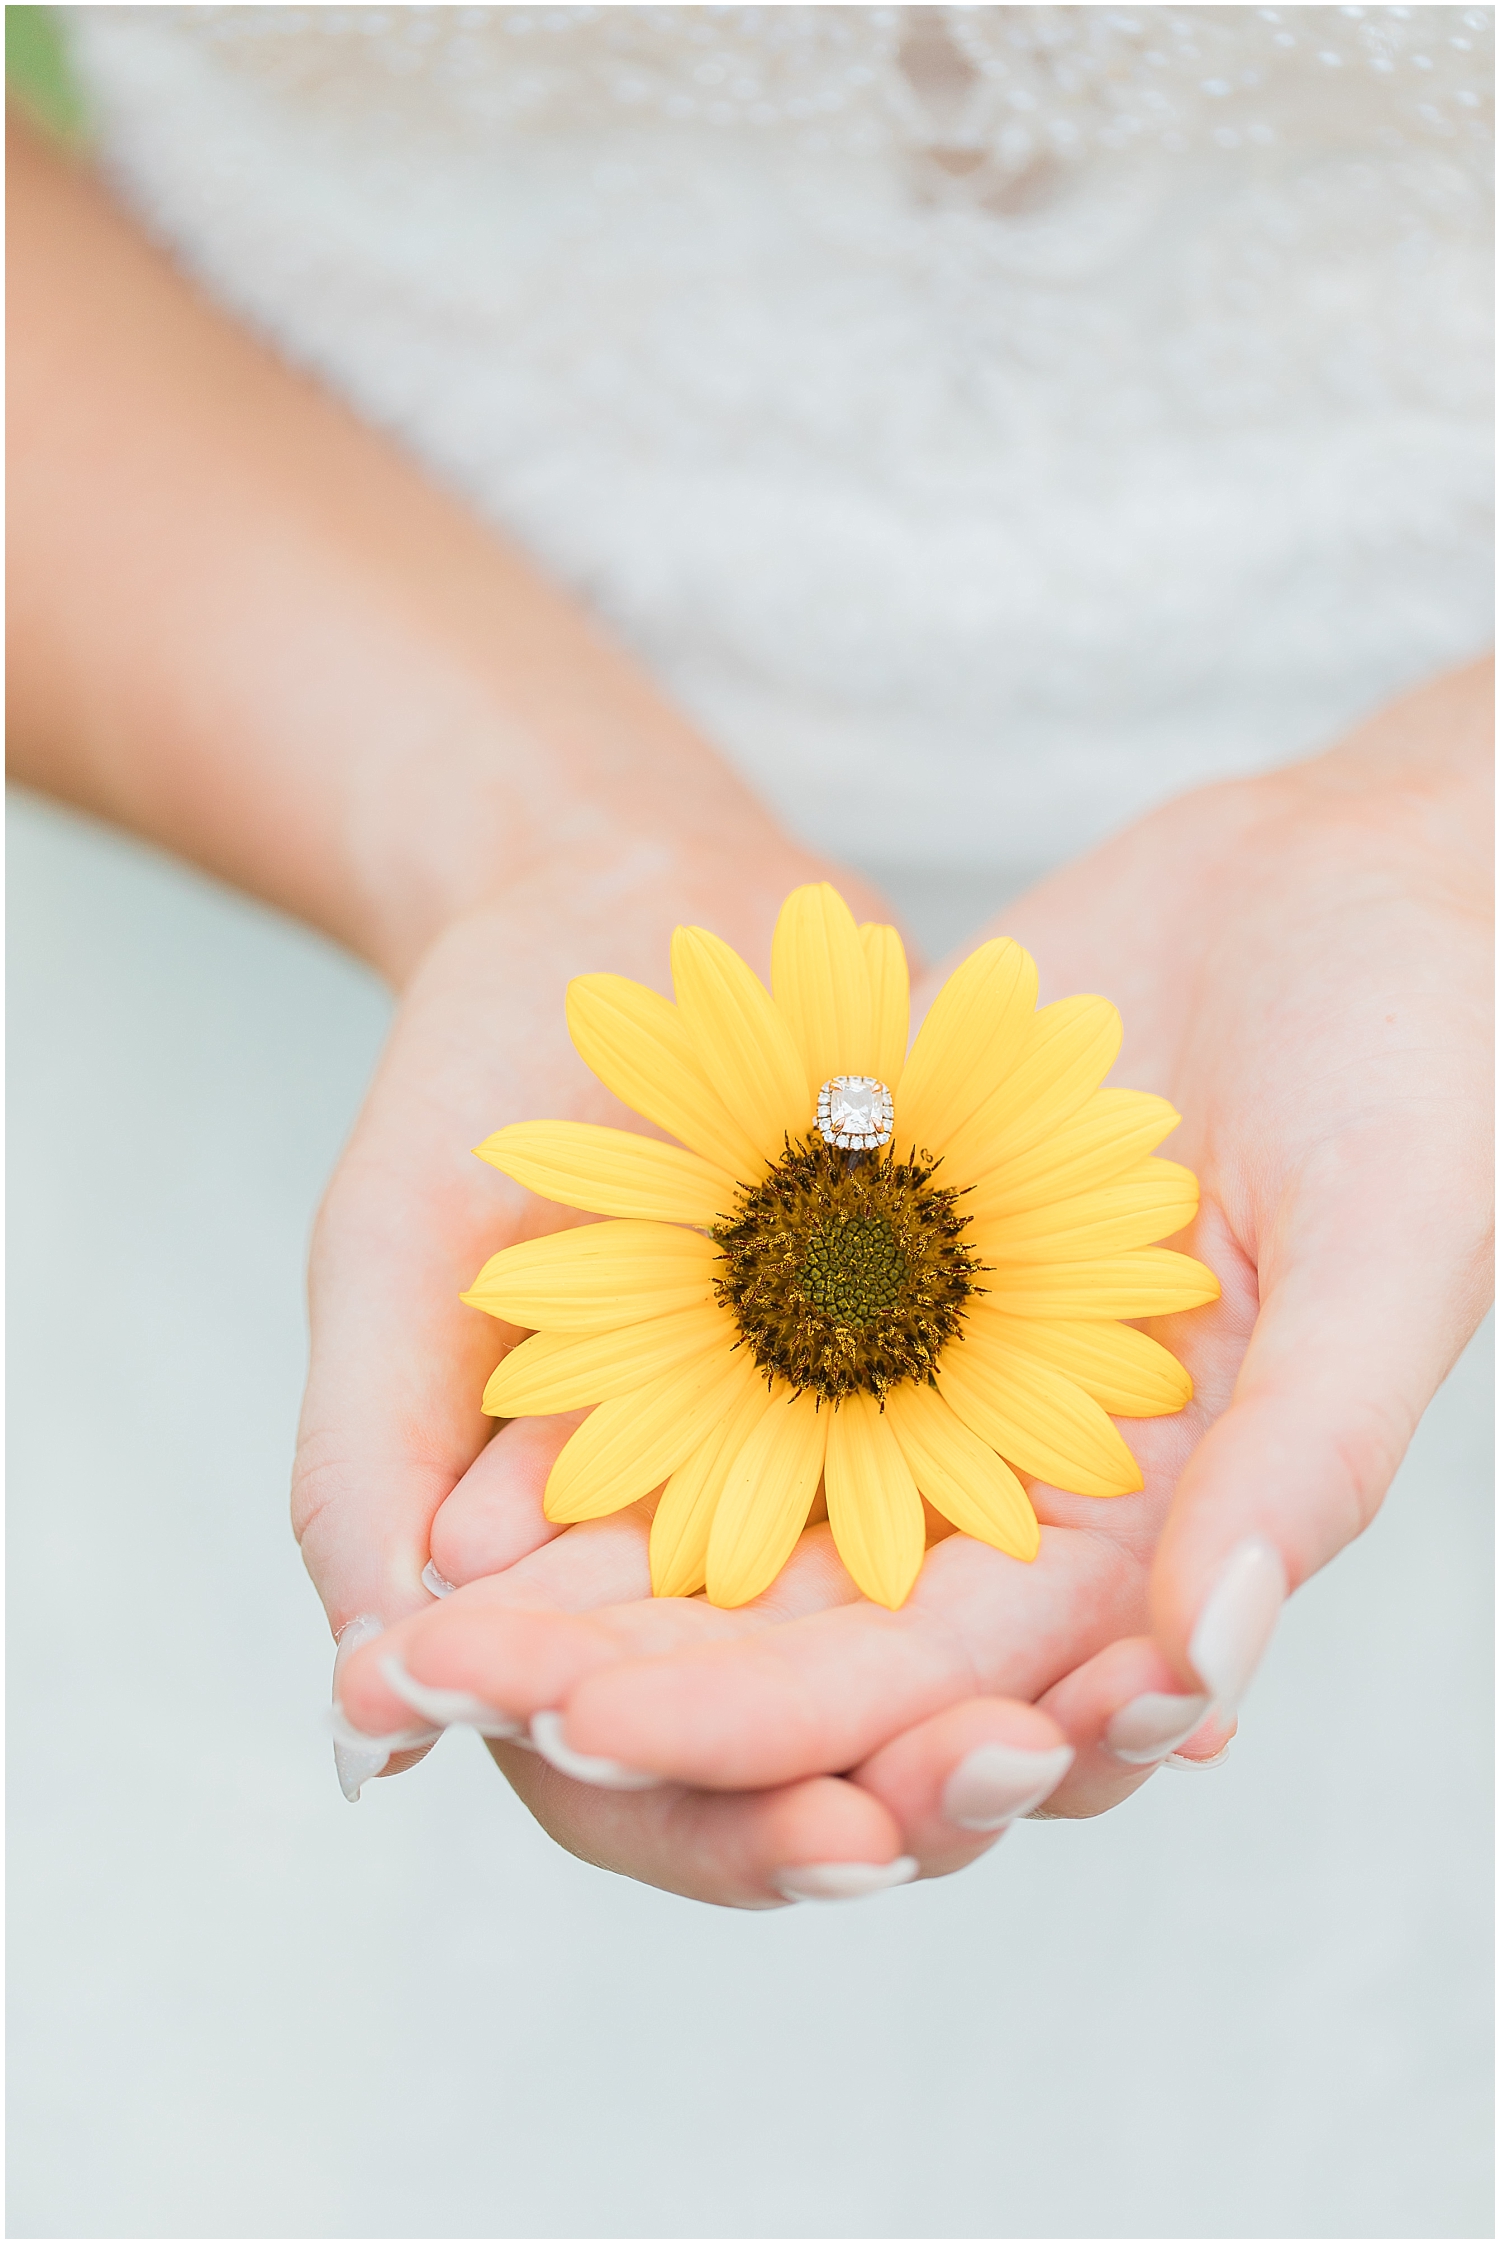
(995, 1783)
(843, 1881)
(1187, 1761)
(1147, 1728)
(588, 1768)
(438, 1583)
(357, 1756)
(354, 1765)
(447, 1708)
(1237, 1619)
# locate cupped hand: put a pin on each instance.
(1302, 965)
(391, 1422)
(397, 1477)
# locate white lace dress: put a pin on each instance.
(986, 420)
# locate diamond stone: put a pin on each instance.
(855, 1112)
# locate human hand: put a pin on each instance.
(391, 1424)
(1311, 1102)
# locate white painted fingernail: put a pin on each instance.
(588, 1768)
(1237, 1619)
(449, 1709)
(995, 1783)
(1147, 1728)
(1186, 1760)
(357, 1756)
(843, 1881)
(354, 1765)
(393, 1741)
(438, 1583)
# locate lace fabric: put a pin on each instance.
(986, 419)
(1004, 86)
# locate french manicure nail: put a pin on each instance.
(358, 1756)
(843, 1881)
(588, 1768)
(1238, 1616)
(448, 1709)
(995, 1783)
(364, 1741)
(1188, 1761)
(438, 1583)
(354, 1770)
(1147, 1728)
(354, 1765)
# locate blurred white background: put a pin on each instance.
(1251, 2003)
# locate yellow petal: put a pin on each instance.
(565, 1370)
(1110, 1133)
(873, 1505)
(768, 1493)
(821, 984)
(971, 1039)
(743, 1046)
(637, 1045)
(597, 1276)
(1131, 1374)
(1070, 1048)
(610, 1172)
(629, 1446)
(960, 1475)
(1148, 1202)
(1035, 1417)
(1148, 1282)
(890, 1000)
(685, 1515)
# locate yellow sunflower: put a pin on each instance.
(785, 1300)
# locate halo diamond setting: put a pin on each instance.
(855, 1113)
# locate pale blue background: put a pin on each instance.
(1252, 2003)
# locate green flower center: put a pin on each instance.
(854, 1269)
(847, 1272)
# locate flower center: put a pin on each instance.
(846, 1271)
(854, 1269)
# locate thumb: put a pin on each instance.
(391, 1416)
(1374, 1273)
(389, 1423)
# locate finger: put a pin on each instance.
(1372, 1280)
(359, 1757)
(823, 1839)
(391, 1420)
(955, 1783)
(823, 1692)
(378, 1700)
(958, 1781)
(1124, 1713)
(1207, 1748)
(494, 1515)
(388, 1427)
(508, 1642)
(516, 1644)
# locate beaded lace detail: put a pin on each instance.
(992, 90)
(1032, 409)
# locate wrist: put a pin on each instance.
(467, 801)
(599, 890)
